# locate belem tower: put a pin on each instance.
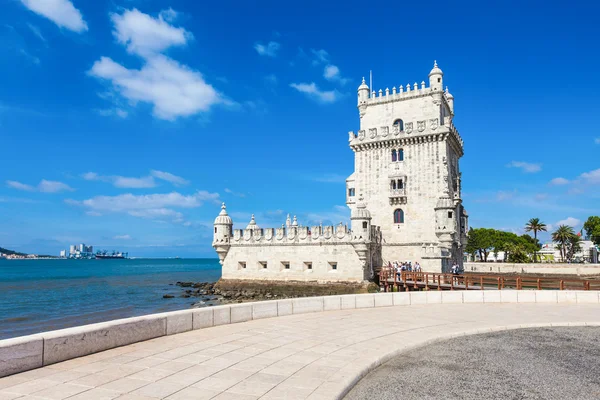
(404, 197)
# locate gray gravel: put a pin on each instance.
(540, 363)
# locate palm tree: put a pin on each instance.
(563, 236)
(536, 226)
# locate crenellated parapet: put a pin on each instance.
(316, 235)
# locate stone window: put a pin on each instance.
(332, 266)
(307, 265)
(365, 224)
(394, 155)
(400, 184)
(398, 216)
(215, 229)
(393, 184)
(400, 124)
(263, 264)
(285, 265)
(401, 155)
(241, 264)
(351, 192)
(449, 214)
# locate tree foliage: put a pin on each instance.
(568, 242)
(516, 248)
(592, 229)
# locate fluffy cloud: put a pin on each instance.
(525, 166)
(270, 49)
(61, 12)
(136, 183)
(559, 181)
(159, 207)
(592, 176)
(570, 221)
(332, 73)
(166, 176)
(319, 56)
(313, 91)
(44, 186)
(144, 35)
(174, 90)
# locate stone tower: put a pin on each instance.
(223, 232)
(406, 167)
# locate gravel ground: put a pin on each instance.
(540, 363)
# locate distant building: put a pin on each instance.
(72, 249)
(63, 254)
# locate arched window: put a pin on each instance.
(398, 216)
(400, 124)
(394, 155)
(393, 184)
(401, 155)
(400, 184)
(365, 225)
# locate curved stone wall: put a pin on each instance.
(34, 351)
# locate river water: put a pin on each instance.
(42, 295)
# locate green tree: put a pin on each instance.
(592, 229)
(563, 236)
(573, 246)
(480, 241)
(535, 225)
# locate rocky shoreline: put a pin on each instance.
(234, 291)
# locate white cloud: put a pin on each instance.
(332, 73)
(166, 176)
(44, 186)
(157, 207)
(53, 186)
(37, 32)
(231, 192)
(113, 112)
(61, 12)
(320, 56)
(20, 186)
(592, 176)
(29, 56)
(173, 89)
(525, 166)
(559, 181)
(122, 237)
(313, 91)
(597, 140)
(145, 35)
(128, 202)
(271, 78)
(570, 221)
(136, 183)
(270, 49)
(168, 15)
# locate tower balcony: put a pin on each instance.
(397, 196)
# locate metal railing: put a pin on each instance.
(388, 278)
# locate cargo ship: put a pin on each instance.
(103, 255)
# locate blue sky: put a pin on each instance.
(124, 124)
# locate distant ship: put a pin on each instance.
(103, 255)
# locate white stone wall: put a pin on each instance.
(320, 255)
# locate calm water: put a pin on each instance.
(41, 295)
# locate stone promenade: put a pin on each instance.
(318, 355)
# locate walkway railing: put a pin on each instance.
(388, 278)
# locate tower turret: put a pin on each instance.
(450, 99)
(222, 233)
(360, 219)
(436, 78)
(363, 96)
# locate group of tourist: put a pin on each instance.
(406, 266)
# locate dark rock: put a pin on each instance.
(168, 296)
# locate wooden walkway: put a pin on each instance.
(388, 279)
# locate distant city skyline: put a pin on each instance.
(126, 124)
